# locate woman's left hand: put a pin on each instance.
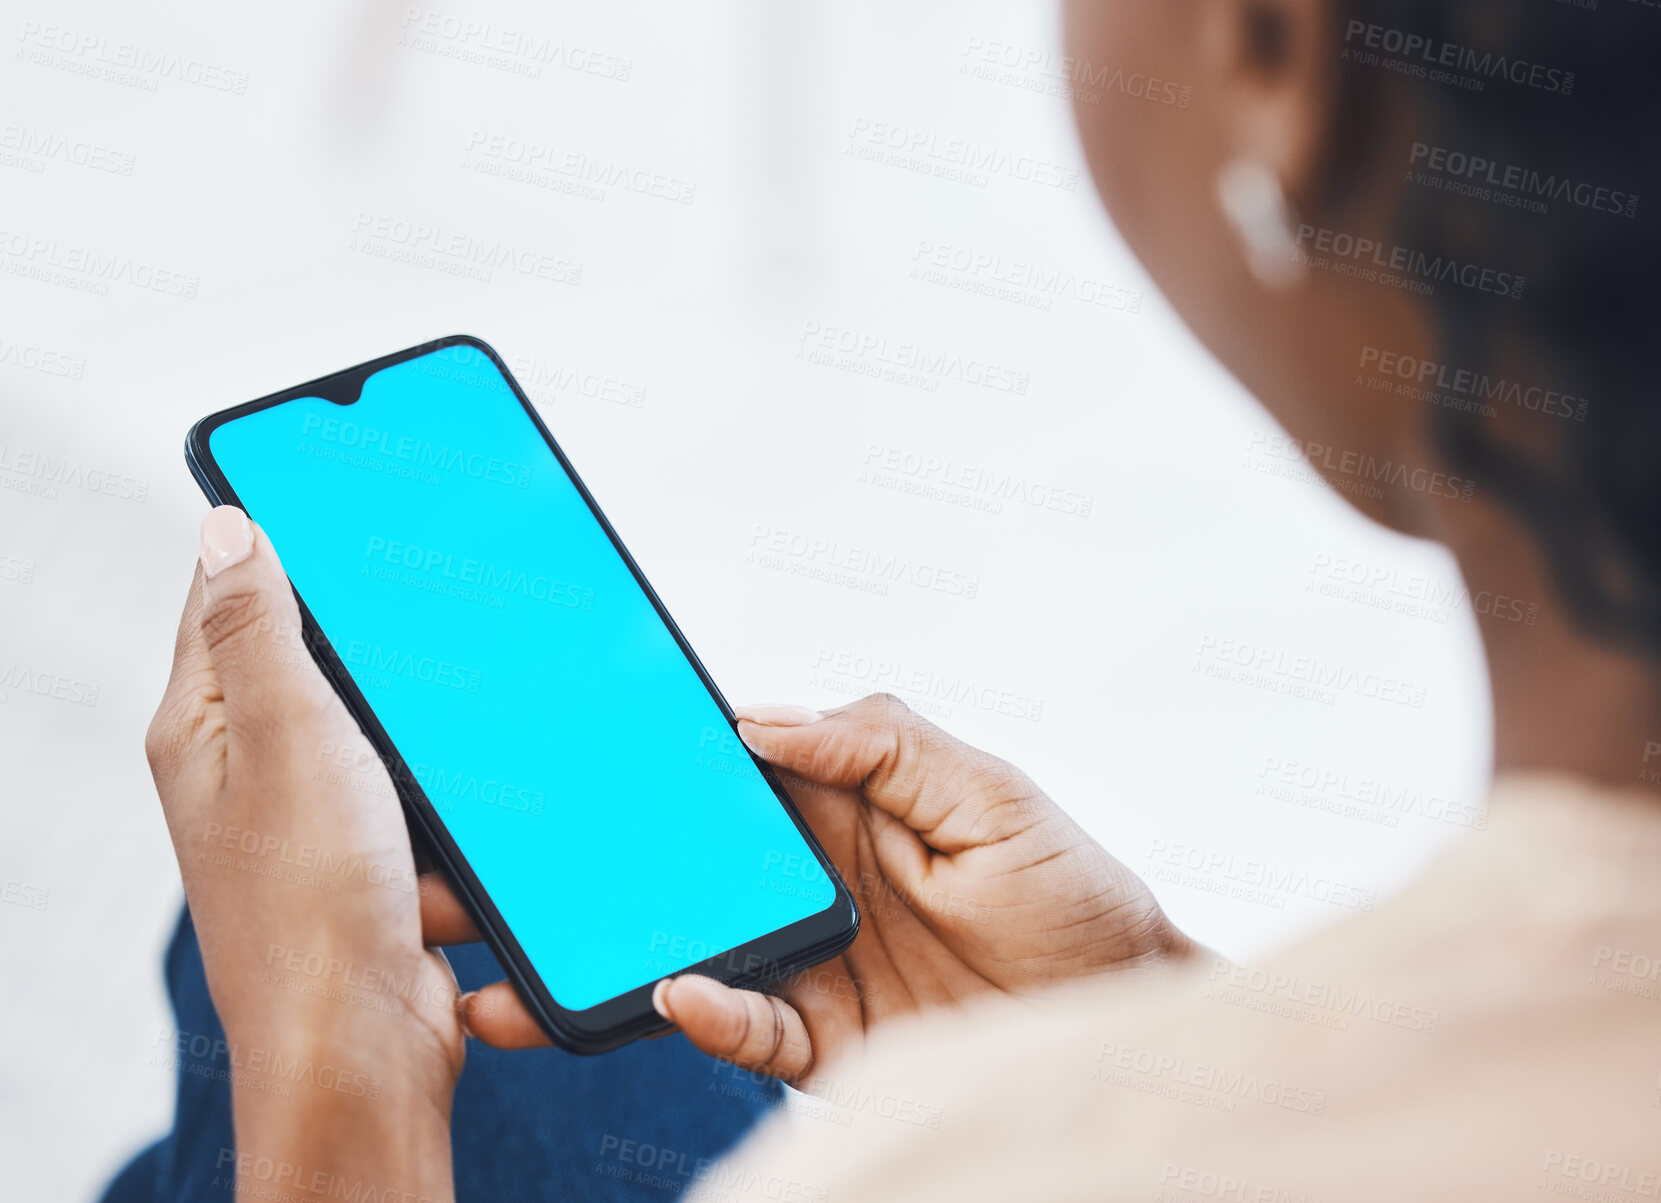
(342, 1025)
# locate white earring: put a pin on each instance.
(1255, 205)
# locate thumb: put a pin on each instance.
(953, 795)
(251, 625)
(757, 1032)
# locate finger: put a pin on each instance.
(190, 651)
(444, 920)
(497, 1016)
(955, 796)
(251, 627)
(754, 1031)
(186, 718)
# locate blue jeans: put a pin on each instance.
(630, 1125)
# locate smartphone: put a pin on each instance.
(554, 740)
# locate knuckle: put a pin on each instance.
(310, 703)
(998, 778)
(157, 744)
(911, 748)
(775, 1037)
(912, 732)
(754, 1036)
(233, 615)
(178, 727)
(1007, 804)
(731, 1036)
(885, 707)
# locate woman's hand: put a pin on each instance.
(343, 1030)
(969, 881)
(314, 927)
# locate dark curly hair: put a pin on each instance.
(1567, 95)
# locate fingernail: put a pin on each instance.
(778, 715)
(464, 1006)
(660, 999)
(227, 538)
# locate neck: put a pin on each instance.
(1562, 702)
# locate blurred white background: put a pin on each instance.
(308, 173)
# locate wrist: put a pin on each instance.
(349, 1111)
(366, 1020)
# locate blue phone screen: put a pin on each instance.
(569, 746)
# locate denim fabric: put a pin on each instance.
(527, 1125)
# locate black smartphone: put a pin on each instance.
(553, 738)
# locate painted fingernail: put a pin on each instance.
(227, 538)
(778, 715)
(660, 999)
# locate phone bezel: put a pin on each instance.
(628, 1016)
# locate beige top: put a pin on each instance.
(1494, 1032)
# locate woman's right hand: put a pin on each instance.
(970, 881)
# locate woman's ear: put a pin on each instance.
(1223, 201)
(1277, 63)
